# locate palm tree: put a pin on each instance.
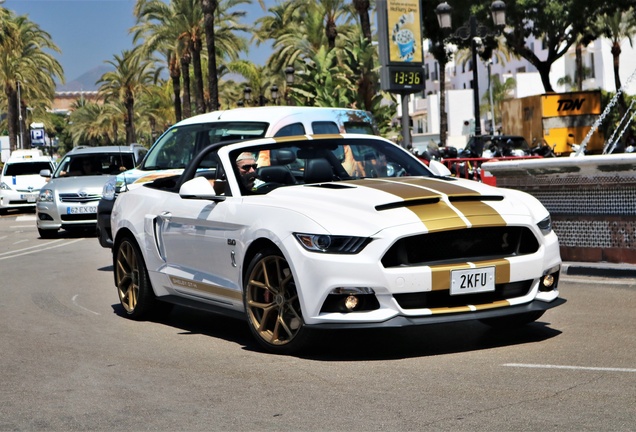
(617, 27)
(130, 78)
(24, 62)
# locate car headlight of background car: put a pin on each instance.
(109, 190)
(4, 186)
(46, 195)
(332, 244)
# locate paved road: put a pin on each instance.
(69, 361)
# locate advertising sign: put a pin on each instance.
(405, 24)
(400, 43)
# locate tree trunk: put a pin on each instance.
(209, 9)
(12, 116)
(544, 72)
(185, 74)
(362, 7)
(368, 82)
(443, 117)
(198, 78)
(616, 54)
(175, 76)
(579, 66)
(130, 120)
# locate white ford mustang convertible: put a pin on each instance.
(327, 232)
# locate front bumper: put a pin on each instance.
(50, 215)
(408, 321)
(16, 199)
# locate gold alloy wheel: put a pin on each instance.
(272, 302)
(127, 276)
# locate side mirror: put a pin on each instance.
(438, 168)
(45, 173)
(199, 188)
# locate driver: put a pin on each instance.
(246, 164)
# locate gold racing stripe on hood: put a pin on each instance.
(439, 216)
(441, 274)
(479, 214)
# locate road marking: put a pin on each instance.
(27, 251)
(586, 368)
(74, 299)
(21, 226)
(25, 218)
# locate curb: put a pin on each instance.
(607, 270)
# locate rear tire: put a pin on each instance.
(133, 284)
(512, 321)
(271, 301)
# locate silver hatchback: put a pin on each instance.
(69, 200)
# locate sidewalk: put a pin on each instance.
(602, 269)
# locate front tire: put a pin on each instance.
(133, 284)
(272, 305)
(47, 234)
(512, 321)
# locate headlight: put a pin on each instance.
(332, 244)
(46, 195)
(545, 225)
(4, 186)
(108, 191)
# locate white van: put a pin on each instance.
(20, 181)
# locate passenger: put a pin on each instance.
(246, 164)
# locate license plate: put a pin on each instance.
(472, 281)
(81, 210)
(29, 197)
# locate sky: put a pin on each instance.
(91, 32)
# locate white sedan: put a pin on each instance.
(333, 231)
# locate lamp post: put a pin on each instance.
(471, 31)
(20, 117)
(289, 79)
(262, 101)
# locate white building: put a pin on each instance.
(424, 109)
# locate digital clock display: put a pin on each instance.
(402, 79)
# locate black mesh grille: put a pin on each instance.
(461, 245)
(437, 299)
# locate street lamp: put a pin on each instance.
(473, 30)
(289, 79)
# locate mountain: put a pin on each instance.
(86, 81)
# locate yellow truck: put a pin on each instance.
(559, 119)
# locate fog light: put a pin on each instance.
(548, 280)
(351, 302)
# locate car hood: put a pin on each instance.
(373, 204)
(25, 182)
(89, 184)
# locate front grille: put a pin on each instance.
(79, 198)
(442, 298)
(471, 244)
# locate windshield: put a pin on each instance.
(177, 147)
(94, 164)
(26, 168)
(320, 161)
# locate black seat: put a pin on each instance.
(276, 174)
(318, 171)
